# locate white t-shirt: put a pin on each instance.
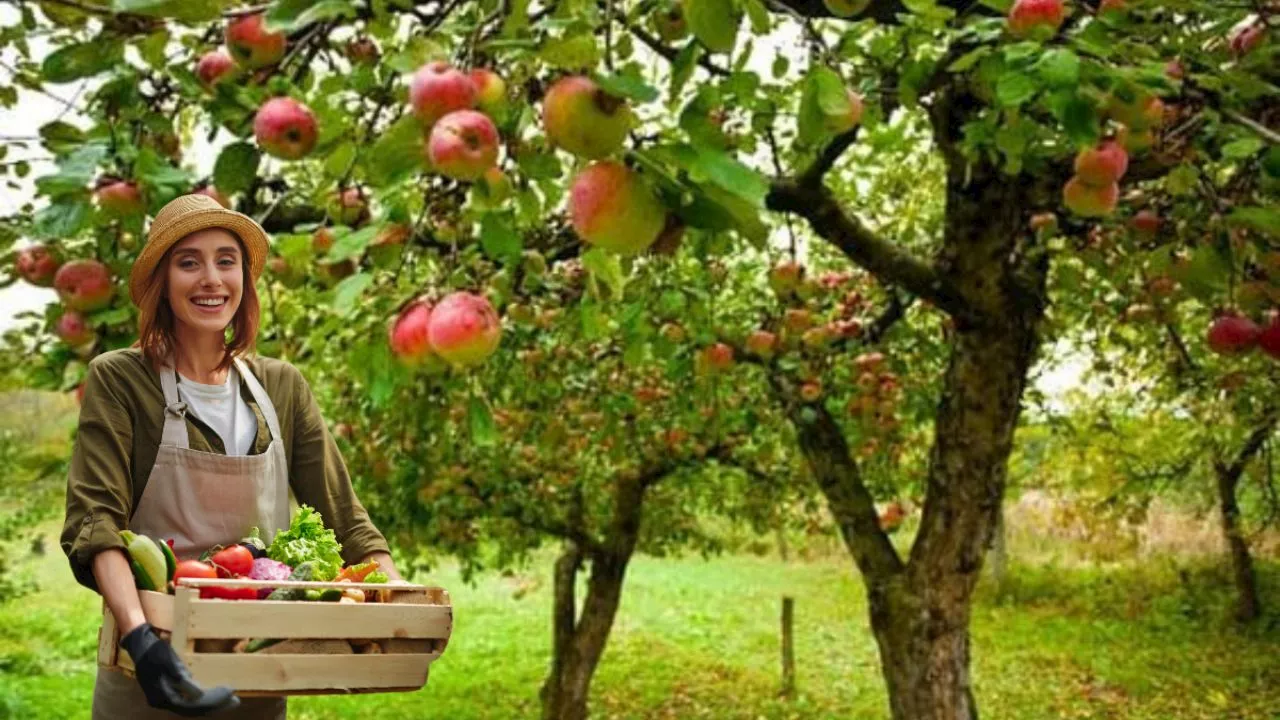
(223, 409)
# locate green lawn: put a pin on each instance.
(698, 639)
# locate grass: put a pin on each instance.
(698, 639)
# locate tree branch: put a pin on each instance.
(1252, 445)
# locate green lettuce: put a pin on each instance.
(307, 540)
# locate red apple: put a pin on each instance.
(1146, 222)
(407, 334)
(1102, 165)
(37, 264)
(1088, 201)
(1246, 36)
(1231, 333)
(761, 343)
(848, 121)
(464, 329)
(214, 67)
(211, 191)
(119, 198)
(84, 285)
(285, 128)
(614, 208)
(1047, 222)
(797, 320)
(73, 328)
(347, 207)
(491, 90)
(321, 240)
(785, 277)
(1036, 18)
(583, 119)
(715, 358)
(250, 43)
(1269, 337)
(438, 89)
(811, 390)
(463, 145)
(362, 51)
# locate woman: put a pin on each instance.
(183, 436)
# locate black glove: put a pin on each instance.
(165, 679)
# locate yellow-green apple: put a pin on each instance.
(83, 285)
(1048, 222)
(491, 90)
(1038, 19)
(464, 329)
(285, 128)
(1102, 165)
(785, 277)
(214, 67)
(1135, 141)
(845, 8)
(613, 207)
(438, 89)
(1089, 201)
(580, 117)
(250, 43)
(1232, 333)
(211, 191)
(761, 343)
(1142, 112)
(495, 185)
(669, 22)
(37, 264)
(73, 328)
(347, 207)
(119, 198)
(321, 240)
(463, 145)
(849, 120)
(672, 332)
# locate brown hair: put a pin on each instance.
(155, 317)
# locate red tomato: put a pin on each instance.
(193, 569)
(235, 560)
(229, 593)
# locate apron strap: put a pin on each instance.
(260, 396)
(175, 411)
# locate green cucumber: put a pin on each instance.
(170, 560)
(150, 569)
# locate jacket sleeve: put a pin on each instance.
(100, 481)
(318, 476)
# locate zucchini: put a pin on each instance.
(150, 568)
(169, 559)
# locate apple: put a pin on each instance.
(1246, 36)
(844, 123)
(331, 271)
(1143, 112)
(785, 277)
(1231, 333)
(1135, 141)
(797, 320)
(362, 51)
(1038, 19)
(583, 119)
(321, 240)
(817, 338)
(1162, 286)
(669, 22)
(83, 285)
(1088, 201)
(1269, 337)
(285, 128)
(388, 245)
(845, 8)
(463, 145)
(1111, 7)
(347, 207)
(288, 275)
(715, 358)
(438, 89)
(119, 198)
(214, 67)
(250, 43)
(407, 333)
(211, 191)
(761, 343)
(1146, 223)
(672, 332)
(491, 90)
(464, 329)
(37, 264)
(494, 185)
(1102, 165)
(1048, 222)
(73, 328)
(612, 207)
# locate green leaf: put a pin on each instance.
(484, 431)
(152, 48)
(397, 153)
(62, 219)
(606, 268)
(289, 15)
(575, 52)
(112, 316)
(236, 167)
(1015, 88)
(348, 292)
(353, 244)
(1059, 68)
(682, 68)
(336, 164)
(969, 59)
(714, 22)
(724, 170)
(74, 62)
(74, 173)
(184, 10)
(498, 239)
(824, 95)
(758, 15)
(628, 85)
(1242, 148)
(1080, 121)
(1265, 220)
(157, 174)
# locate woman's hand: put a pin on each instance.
(386, 565)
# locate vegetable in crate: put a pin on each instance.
(306, 571)
(152, 568)
(265, 568)
(307, 540)
(254, 544)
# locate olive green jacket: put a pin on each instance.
(121, 422)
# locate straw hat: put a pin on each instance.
(187, 214)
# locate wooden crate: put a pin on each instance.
(390, 643)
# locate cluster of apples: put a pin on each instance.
(1095, 188)
(1232, 333)
(457, 108)
(83, 286)
(461, 330)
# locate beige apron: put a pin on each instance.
(200, 500)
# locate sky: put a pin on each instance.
(1063, 372)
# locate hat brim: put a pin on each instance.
(160, 239)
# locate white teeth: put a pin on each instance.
(211, 302)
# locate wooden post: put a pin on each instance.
(788, 647)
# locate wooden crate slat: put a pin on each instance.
(304, 584)
(249, 619)
(158, 607)
(282, 673)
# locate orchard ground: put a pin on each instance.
(1143, 635)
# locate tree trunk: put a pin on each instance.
(1248, 604)
(1000, 551)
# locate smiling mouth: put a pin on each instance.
(210, 303)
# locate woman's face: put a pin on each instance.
(206, 279)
